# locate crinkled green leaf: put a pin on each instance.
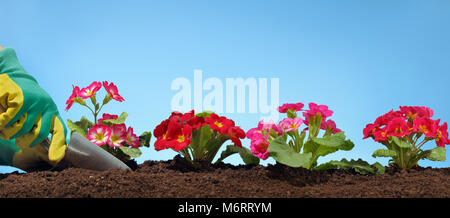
(245, 154)
(328, 144)
(76, 128)
(400, 143)
(145, 138)
(132, 152)
(284, 154)
(437, 154)
(84, 123)
(331, 141)
(380, 168)
(121, 119)
(384, 153)
(318, 150)
(359, 166)
(347, 146)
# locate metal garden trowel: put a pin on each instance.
(82, 153)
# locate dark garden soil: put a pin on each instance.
(174, 179)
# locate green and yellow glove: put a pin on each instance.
(27, 117)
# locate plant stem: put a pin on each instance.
(422, 143)
(415, 139)
(296, 141)
(95, 117)
(401, 158)
(100, 107)
(93, 113)
(186, 155)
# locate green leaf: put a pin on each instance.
(85, 124)
(384, 153)
(437, 154)
(310, 147)
(347, 146)
(284, 154)
(145, 138)
(291, 114)
(121, 119)
(245, 154)
(328, 144)
(331, 141)
(380, 168)
(200, 139)
(226, 153)
(315, 150)
(132, 152)
(76, 128)
(360, 166)
(400, 143)
(204, 113)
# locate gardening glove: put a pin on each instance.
(28, 115)
(28, 159)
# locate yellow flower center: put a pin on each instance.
(411, 115)
(438, 136)
(114, 138)
(424, 129)
(218, 124)
(99, 137)
(264, 146)
(181, 138)
(398, 130)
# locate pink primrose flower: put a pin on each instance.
(106, 116)
(425, 125)
(263, 129)
(290, 124)
(113, 91)
(330, 125)
(294, 107)
(118, 135)
(99, 134)
(72, 97)
(90, 90)
(442, 136)
(131, 138)
(315, 110)
(259, 147)
(397, 127)
(411, 112)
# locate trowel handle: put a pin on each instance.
(46, 144)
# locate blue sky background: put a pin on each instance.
(361, 58)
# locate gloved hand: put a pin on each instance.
(27, 117)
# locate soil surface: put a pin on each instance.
(176, 179)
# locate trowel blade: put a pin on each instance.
(83, 153)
